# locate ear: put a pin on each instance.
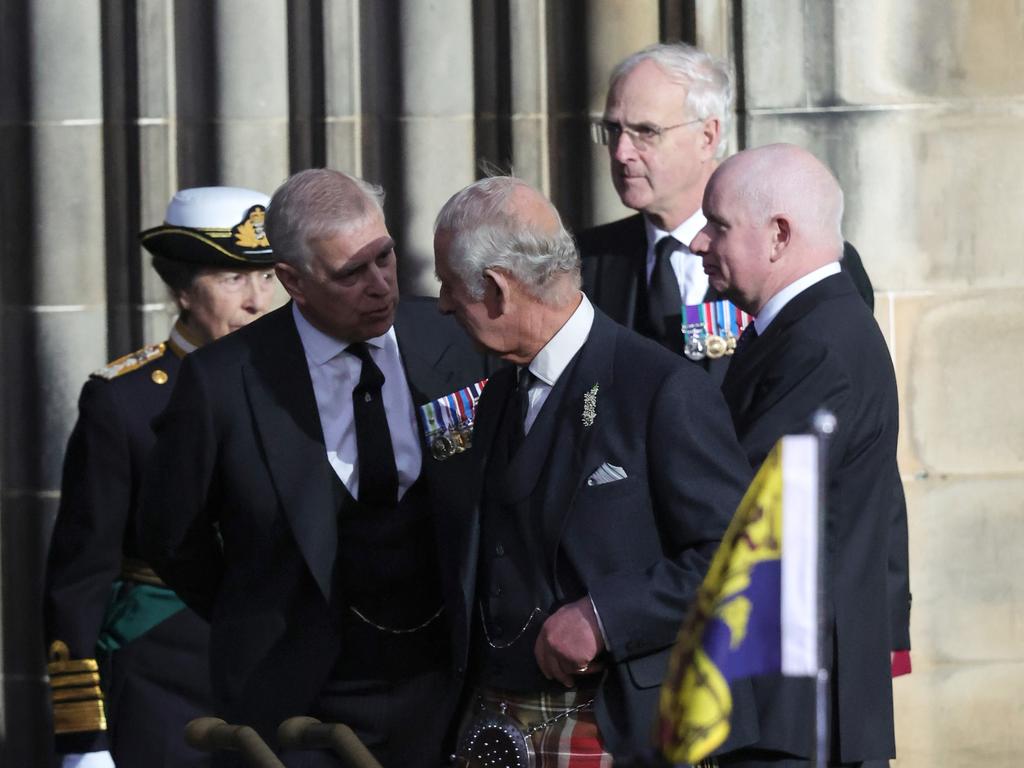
(291, 280)
(183, 299)
(710, 136)
(781, 235)
(497, 292)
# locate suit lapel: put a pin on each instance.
(280, 394)
(621, 270)
(741, 380)
(574, 446)
(461, 532)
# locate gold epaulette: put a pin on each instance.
(131, 361)
(75, 688)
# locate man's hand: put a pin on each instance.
(568, 642)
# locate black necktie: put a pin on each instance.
(663, 297)
(521, 395)
(378, 475)
(748, 337)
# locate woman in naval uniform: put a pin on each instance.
(127, 661)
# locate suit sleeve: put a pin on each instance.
(85, 557)
(899, 573)
(802, 379)
(177, 508)
(697, 475)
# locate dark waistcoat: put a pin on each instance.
(517, 588)
(387, 571)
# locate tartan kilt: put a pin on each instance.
(573, 742)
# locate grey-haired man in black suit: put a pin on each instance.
(665, 124)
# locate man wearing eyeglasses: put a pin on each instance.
(664, 125)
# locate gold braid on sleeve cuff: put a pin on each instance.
(75, 689)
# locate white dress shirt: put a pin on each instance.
(554, 356)
(775, 304)
(335, 374)
(688, 266)
(550, 363)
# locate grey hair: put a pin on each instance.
(317, 204)
(487, 233)
(707, 79)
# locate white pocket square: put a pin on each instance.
(606, 473)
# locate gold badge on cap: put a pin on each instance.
(250, 233)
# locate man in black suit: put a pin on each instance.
(610, 474)
(665, 125)
(290, 501)
(771, 245)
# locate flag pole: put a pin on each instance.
(824, 426)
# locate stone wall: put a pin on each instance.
(108, 107)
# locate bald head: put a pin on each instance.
(503, 223)
(783, 179)
(774, 215)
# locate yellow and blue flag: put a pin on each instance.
(756, 611)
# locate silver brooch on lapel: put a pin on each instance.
(590, 406)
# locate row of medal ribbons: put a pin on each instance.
(712, 329)
(448, 421)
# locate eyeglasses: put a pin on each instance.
(608, 133)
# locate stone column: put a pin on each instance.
(232, 93)
(611, 30)
(434, 124)
(54, 316)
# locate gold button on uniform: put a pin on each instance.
(159, 377)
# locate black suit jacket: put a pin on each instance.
(614, 263)
(238, 512)
(640, 546)
(824, 349)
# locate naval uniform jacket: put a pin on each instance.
(638, 546)
(614, 261)
(239, 508)
(824, 349)
(157, 682)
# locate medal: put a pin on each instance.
(693, 333)
(442, 447)
(715, 342)
(716, 347)
(713, 328)
(448, 421)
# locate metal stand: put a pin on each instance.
(824, 426)
(211, 734)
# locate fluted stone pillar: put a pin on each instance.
(342, 70)
(613, 31)
(54, 317)
(530, 65)
(156, 171)
(435, 125)
(252, 88)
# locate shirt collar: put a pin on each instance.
(320, 347)
(179, 338)
(775, 304)
(556, 355)
(684, 233)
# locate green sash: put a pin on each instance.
(133, 610)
